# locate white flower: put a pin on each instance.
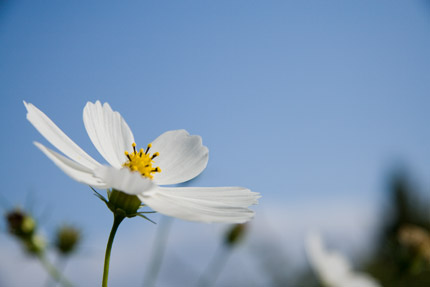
(172, 158)
(332, 268)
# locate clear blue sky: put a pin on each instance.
(298, 100)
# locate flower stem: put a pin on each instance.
(60, 263)
(158, 250)
(53, 271)
(116, 222)
(213, 270)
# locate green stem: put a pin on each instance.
(116, 222)
(158, 250)
(213, 270)
(54, 271)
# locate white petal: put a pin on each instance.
(203, 204)
(182, 157)
(108, 131)
(234, 196)
(124, 180)
(360, 280)
(57, 137)
(330, 267)
(75, 170)
(333, 268)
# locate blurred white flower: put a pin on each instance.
(332, 268)
(176, 156)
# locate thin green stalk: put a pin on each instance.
(116, 222)
(213, 270)
(54, 271)
(60, 263)
(160, 243)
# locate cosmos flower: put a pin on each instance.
(332, 268)
(174, 157)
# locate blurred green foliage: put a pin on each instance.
(401, 250)
(400, 256)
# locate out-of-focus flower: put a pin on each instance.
(416, 238)
(67, 239)
(174, 157)
(332, 268)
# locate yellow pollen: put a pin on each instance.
(141, 161)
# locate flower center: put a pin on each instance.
(141, 161)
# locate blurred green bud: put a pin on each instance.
(35, 245)
(20, 224)
(67, 239)
(23, 226)
(235, 234)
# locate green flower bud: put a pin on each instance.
(20, 224)
(23, 226)
(35, 245)
(235, 234)
(67, 239)
(123, 204)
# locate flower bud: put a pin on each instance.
(67, 239)
(123, 204)
(235, 234)
(20, 224)
(23, 227)
(35, 244)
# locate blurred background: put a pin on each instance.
(321, 106)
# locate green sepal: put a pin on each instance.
(122, 204)
(101, 197)
(145, 217)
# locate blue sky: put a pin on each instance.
(302, 101)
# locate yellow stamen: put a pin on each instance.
(147, 148)
(141, 162)
(127, 155)
(155, 155)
